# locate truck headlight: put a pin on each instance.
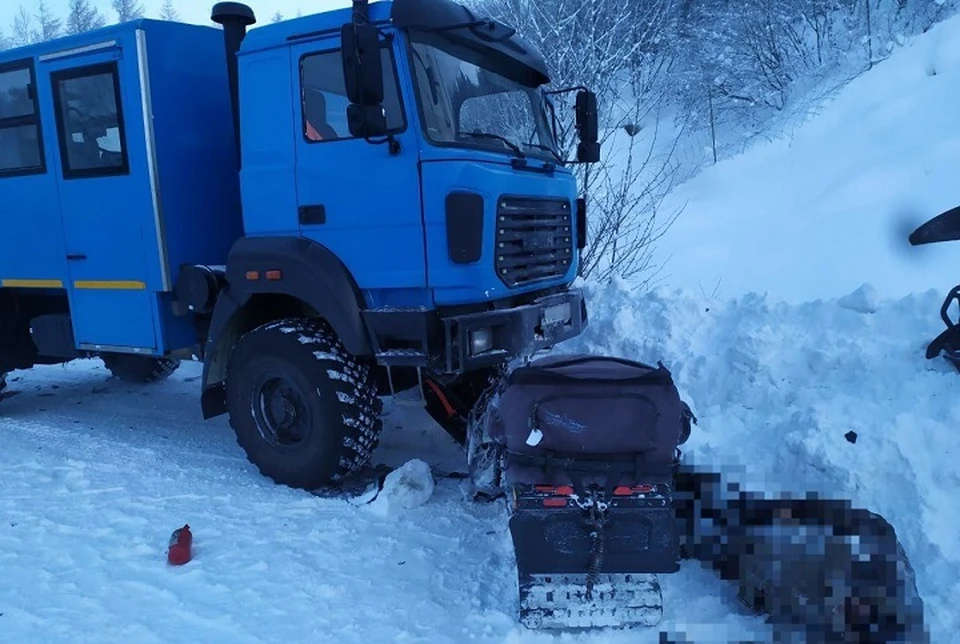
(481, 341)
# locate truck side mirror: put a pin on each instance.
(362, 66)
(588, 125)
(366, 121)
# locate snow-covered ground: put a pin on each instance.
(828, 207)
(96, 475)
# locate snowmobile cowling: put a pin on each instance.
(585, 448)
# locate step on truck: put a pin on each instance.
(326, 211)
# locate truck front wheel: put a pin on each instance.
(304, 410)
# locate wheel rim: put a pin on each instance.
(281, 412)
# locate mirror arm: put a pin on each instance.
(393, 145)
(567, 90)
(361, 11)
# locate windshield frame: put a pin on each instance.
(539, 109)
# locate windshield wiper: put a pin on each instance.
(489, 135)
(548, 149)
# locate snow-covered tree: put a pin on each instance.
(127, 9)
(277, 17)
(24, 30)
(50, 24)
(168, 11)
(83, 16)
(28, 28)
(617, 50)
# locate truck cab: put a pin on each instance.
(386, 210)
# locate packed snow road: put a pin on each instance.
(96, 474)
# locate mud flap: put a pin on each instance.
(571, 577)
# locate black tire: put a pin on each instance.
(139, 369)
(327, 397)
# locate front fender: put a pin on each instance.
(272, 277)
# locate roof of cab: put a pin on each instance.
(86, 38)
(280, 33)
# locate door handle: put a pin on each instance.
(75, 257)
(312, 214)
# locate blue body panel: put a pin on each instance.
(114, 241)
(490, 175)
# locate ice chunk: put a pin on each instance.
(407, 487)
(865, 299)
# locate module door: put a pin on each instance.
(106, 200)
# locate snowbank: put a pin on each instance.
(828, 208)
(779, 388)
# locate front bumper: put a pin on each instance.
(516, 331)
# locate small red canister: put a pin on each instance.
(181, 543)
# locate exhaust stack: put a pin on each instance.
(235, 17)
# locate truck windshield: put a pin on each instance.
(473, 104)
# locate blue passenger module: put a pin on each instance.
(117, 165)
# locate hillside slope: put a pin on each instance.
(828, 208)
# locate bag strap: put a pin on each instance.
(632, 463)
(569, 362)
(547, 374)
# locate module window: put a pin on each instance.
(21, 145)
(90, 122)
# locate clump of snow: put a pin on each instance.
(829, 206)
(409, 486)
(865, 299)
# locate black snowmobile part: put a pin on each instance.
(948, 342)
(583, 567)
(943, 227)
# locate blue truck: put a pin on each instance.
(326, 211)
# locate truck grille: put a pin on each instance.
(534, 239)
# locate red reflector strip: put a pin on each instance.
(555, 502)
(274, 275)
(643, 489)
(565, 490)
(622, 490)
(544, 488)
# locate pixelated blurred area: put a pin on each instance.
(821, 570)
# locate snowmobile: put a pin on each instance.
(943, 227)
(585, 452)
